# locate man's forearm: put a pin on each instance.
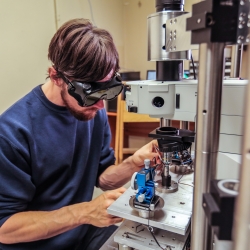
(37, 225)
(116, 176)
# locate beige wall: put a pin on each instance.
(26, 27)
(106, 14)
(189, 3)
(135, 35)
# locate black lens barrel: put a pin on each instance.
(169, 70)
(171, 5)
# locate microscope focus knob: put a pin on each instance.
(133, 182)
(141, 197)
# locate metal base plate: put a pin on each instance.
(178, 169)
(173, 188)
(175, 215)
(137, 236)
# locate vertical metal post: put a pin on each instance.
(236, 58)
(165, 122)
(241, 233)
(211, 73)
(184, 124)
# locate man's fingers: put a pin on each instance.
(154, 144)
(121, 190)
(115, 220)
(155, 155)
(115, 194)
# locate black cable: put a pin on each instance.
(185, 184)
(181, 177)
(152, 233)
(193, 66)
(150, 228)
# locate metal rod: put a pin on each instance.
(184, 124)
(211, 73)
(236, 58)
(165, 122)
(241, 226)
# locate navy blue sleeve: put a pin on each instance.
(107, 157)
(16, 187)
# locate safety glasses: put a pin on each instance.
(87, 94)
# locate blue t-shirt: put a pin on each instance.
(48, 160)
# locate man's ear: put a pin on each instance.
(53, 76)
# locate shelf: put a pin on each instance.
(111, 113)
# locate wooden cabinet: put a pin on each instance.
(112, 122)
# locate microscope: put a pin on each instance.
(188, 201)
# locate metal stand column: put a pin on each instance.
(242, 213)
(211, 72)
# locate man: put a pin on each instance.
(54, 148)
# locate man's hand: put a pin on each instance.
(117, 176)
(98, 215)
(146, 152)
(36, 225)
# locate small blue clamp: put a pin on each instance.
(144, 181)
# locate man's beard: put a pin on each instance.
(81, 114)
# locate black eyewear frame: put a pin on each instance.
(89, 93)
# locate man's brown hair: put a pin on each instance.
(83, 52)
